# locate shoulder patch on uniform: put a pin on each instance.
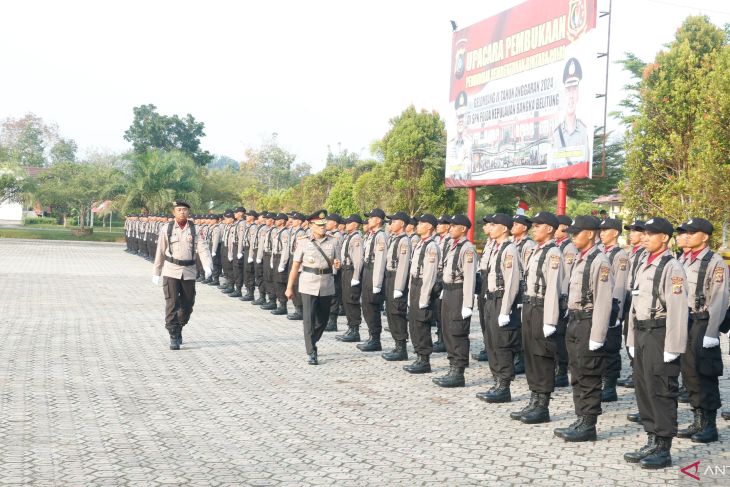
(508, 261)
(469, 256)
(380, 246)
(603, 273)
(719, 274)
(623, 263)
(569, 259)
(300, 237)
(355, 243)
(677, 285)
(554, 261)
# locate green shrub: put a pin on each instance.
(39, 221)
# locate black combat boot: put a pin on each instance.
(540, 413)
(372, 345)
(519, 363)
(174, 337)
(455, 378)
(332, 323)
(296, 315)
(648, 449)
(270, 304)
(260, 301)
(495, 384)
(708, 428)
(683, 394)
(351, 335)
(531, 405)
(559, 432)
(661, 456)
(634, 417)
(236, 292)
(230, 289)
(206, 281)
(726, 415)
(438, 345)
(399, 353)
(627, 382)
(248, 296)
(222, 285)
(215, 282)
(179, 334)
(585, 431)
(280, 310)
(312, 358)
(199, 279)
(481, 356)
(500, 394)
(422, 365)
(608, 394)
(694, 427)
(561, 376)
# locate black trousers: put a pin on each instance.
(371, 303)
(199, 266)
(503, 341)
(419, 320)
(297, 299)
(279, 279)
(656, 382)
(179, 301)
(395, 309)
(612, 347)
(541, 353)
(351, 297)
(226, 265)
(269, 277)
(700, 369)
(455, 328)
(481, 304)
(259, 278)
(217, 263)
(562, 349)
(316, 310)
(337, 298)
(151, 247)
(586, 368)
(238, 271)
(249, 272)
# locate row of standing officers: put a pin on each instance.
(563, 298)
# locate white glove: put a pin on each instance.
(238, 256)
(618, 322)
(519, 306)
(567, 311)
(250, 260)
(441, 296)
(397, 294)
(213, 254)
(548, 330)
(423, 307)
(465, 313)
(258, 261)
(157, 280)
(503, 320)
(376, 290)
(631, 352)
(354, 282)
(280, 269)
(594, 345)
(709, 342)
(230, 260)
(669, 356)
(208, 272)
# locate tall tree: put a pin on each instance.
(150, 130)
(29, 141)
(273, 167)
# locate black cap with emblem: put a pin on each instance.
(179, 203)
(501, 219)
(584, 222)
(240, 209)
(636, 225)
(659, 225)
(335, 217)
(399, 215)
(461, 219)
(281, 216)
(444, 220)
(228, 213)
(565, 220)
(696, 225)
(546, 218)
(376, 212)
(523, 220)
(611, 224)
(428, 218)
(354, 218)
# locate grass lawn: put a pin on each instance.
(60, 233)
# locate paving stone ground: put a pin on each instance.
(91, 395)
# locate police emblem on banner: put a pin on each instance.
(577, 18)
(459, 61)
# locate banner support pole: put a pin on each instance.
(471, 210)
(562, 196)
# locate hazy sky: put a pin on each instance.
(315, 72)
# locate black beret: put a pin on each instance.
(637, 225)
(428, 218)
(461, 219)
(501, 219)
(612, 224)
(376, 212)
(354, 218)
(522, 219)
(696, 225)
(584, 222)
(184, 203)
(565, 220)
(399, 215)
(659, 225)
(546, 218)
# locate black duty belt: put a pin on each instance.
(390, 273)
(580, 314)
(453, 285)
(651, 324)
(179, 262)
(348, 267)
(494, 294)
(534, 300)
(699, 316)
(369, 265)
(319, 272)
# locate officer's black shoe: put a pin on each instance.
(559, 432)
(174, 344)
(296, 315)
(561, 376)
(438, 346)
(179, 335)
(205, 281)
(726, 415)
(694, 427)
(228, 290)
(585, 431)
(269, 306)
(351, 335)
(222, 285)
(608, 394)
(641, 453)
(708, 431)
(627, 382)
(683, 394)
(247, 297)
(332, 323)
(258, 302)
(634, 417)
(519, 363)
(455, 378)
(422, 365)
(660, 457)
(280, 310)
(215, 282)
(399, 353)
(500, 394)
(540, 413)
(481, 356)
(372, 345)
(199, 279)
(312, 360)
(531, 405)
(236, 292)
